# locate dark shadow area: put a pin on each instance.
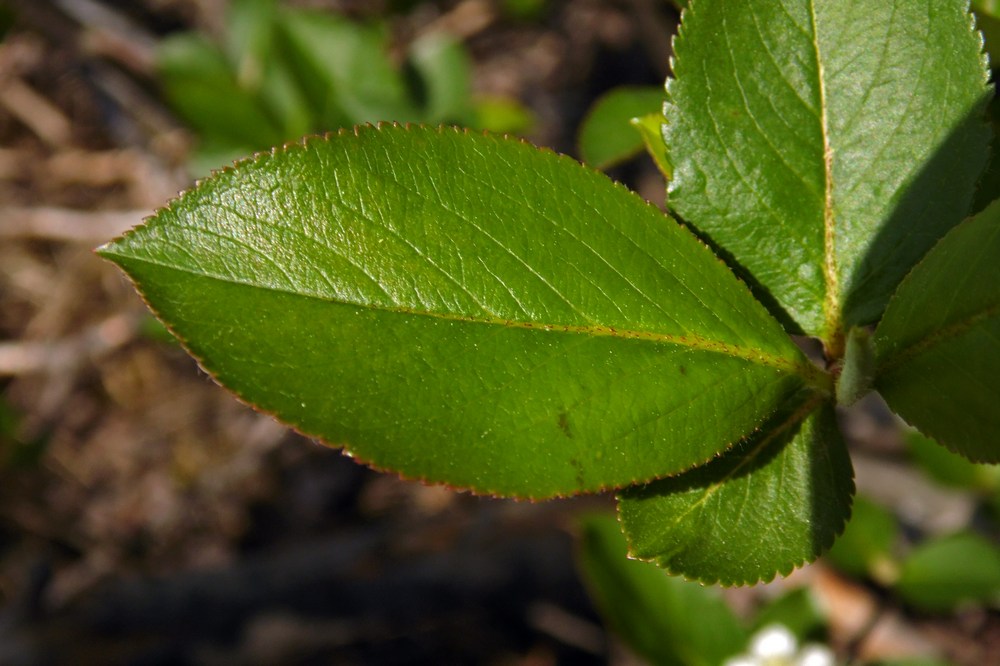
(938, 196)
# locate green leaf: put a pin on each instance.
(445, 79)
(650, 127)
(453, 307)
(938, 345)
(502, 115)
(951, 469)
(773, 503)
(666, 619)
(249, 37)
(203, 90)
(606, 135)
(344, 68)
(949, 571)
(865, 547)
(858, 369)
(826, 145)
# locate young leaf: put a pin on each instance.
(465, 309)
(826, 145)
(606, 136)
(769, 505)
(938, 345)
(666, 619)
(650, 127)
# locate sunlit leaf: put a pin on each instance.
(826, 145)
(466, 309)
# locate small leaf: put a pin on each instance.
(858, 370)
(949, 571)
(650, 127)
(666, 619)
(606, 136)
(454, 307)
(826, 145)
(773, 503)
(938, 345)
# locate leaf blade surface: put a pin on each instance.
(826, 145)
(450, 306)
(938, 345)
(774, 503)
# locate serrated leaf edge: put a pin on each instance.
(794, 419)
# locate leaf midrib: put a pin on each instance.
(811, 374)
(832, 335)
(953, 330)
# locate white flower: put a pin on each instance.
(775, 645)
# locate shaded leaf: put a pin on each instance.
(664, 618)
(826, 145)
(946, 572)
(203, 90)
(771, 504)
(865, 547)
(938, 345)
(451, 306)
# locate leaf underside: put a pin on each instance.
(826, 145)
(454, 307)
(938, 346)
(770, 505)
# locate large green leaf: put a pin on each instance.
(465, 309)
(666, 619)
(826, 145)
(938, 346)
(774, 503)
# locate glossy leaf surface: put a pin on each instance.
(465, 309)
(938, 346)
(826, 145)
(772, 504)
(666, 619)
